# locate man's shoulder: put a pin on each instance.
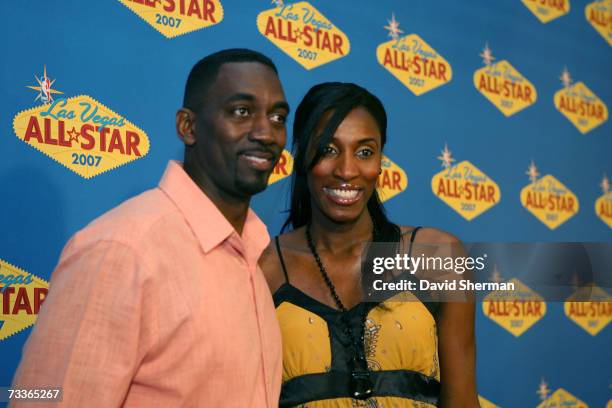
(132, 221)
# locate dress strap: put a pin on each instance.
(412, 236)
(280, 257)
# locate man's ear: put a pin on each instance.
(185, 126)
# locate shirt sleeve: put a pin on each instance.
(94, 327)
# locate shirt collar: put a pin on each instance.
(204, 218)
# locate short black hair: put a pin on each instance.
(205, 72)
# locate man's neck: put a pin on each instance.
(234, 209)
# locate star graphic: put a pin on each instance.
(44, 88)
(446, 157)
(496, 275)
(298, 33)
(487, 55)
(543, 390)
(393, 27)
(74, 135)
(532, 172)
(565, 78)
(278, 3)
(605, 184)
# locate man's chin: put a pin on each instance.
(252, 187)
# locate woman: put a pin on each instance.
(339, 351)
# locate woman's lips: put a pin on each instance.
(343, 196)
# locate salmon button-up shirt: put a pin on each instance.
(159, 303)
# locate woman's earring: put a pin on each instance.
(380, 171)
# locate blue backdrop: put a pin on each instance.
(105, 50)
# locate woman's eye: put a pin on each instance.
(327, 150)
(365, 152)
(241, 111)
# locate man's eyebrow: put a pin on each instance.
(240, 97)
(281, 105)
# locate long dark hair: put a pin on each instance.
(336, 99)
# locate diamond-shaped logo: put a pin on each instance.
(505, 87)
(81, 134)
(392, 181)
(484, 403)
(466, 189)
(603, 208)
(562, 398)
(550, 201)
(414, 63)
(599, 15)
(22, 294)
(174, 18)
(581, 107)
(283, 168)
(516, 311)
(589, 307)
(548, 10)
(304, 33)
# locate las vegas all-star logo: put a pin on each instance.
(176, 17)
(603, 205)
(547, 10)
(579, 104)
(590, 307)
(517, 310)
(79, 132)
(412, 61)
(304, 33)
(503, 85)
(391, 182)
(485, 403)
(464, 187)
(22, 294)
(548, 199)
(559, 398)
(283, 168)
(599, 15)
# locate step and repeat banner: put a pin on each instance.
(499, 131)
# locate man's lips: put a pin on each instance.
(262, 160)
(343, 195)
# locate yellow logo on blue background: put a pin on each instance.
(173, 18)
(503, 85)
(304, 33)
(412, 61)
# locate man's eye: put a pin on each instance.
(241, 111)
(278, 118)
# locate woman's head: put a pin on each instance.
(338, 136)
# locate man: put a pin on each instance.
(159, 302)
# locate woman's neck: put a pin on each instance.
(338, 238)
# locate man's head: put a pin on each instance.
(232, 123)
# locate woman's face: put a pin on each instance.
(344, 179)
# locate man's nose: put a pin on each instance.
(262, 129)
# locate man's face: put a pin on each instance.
(240, 129)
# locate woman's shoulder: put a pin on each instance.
(271, 261)
(429, 235)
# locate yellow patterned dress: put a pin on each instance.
(400, 344)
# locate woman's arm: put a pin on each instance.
(457, 352)
(455, 321)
